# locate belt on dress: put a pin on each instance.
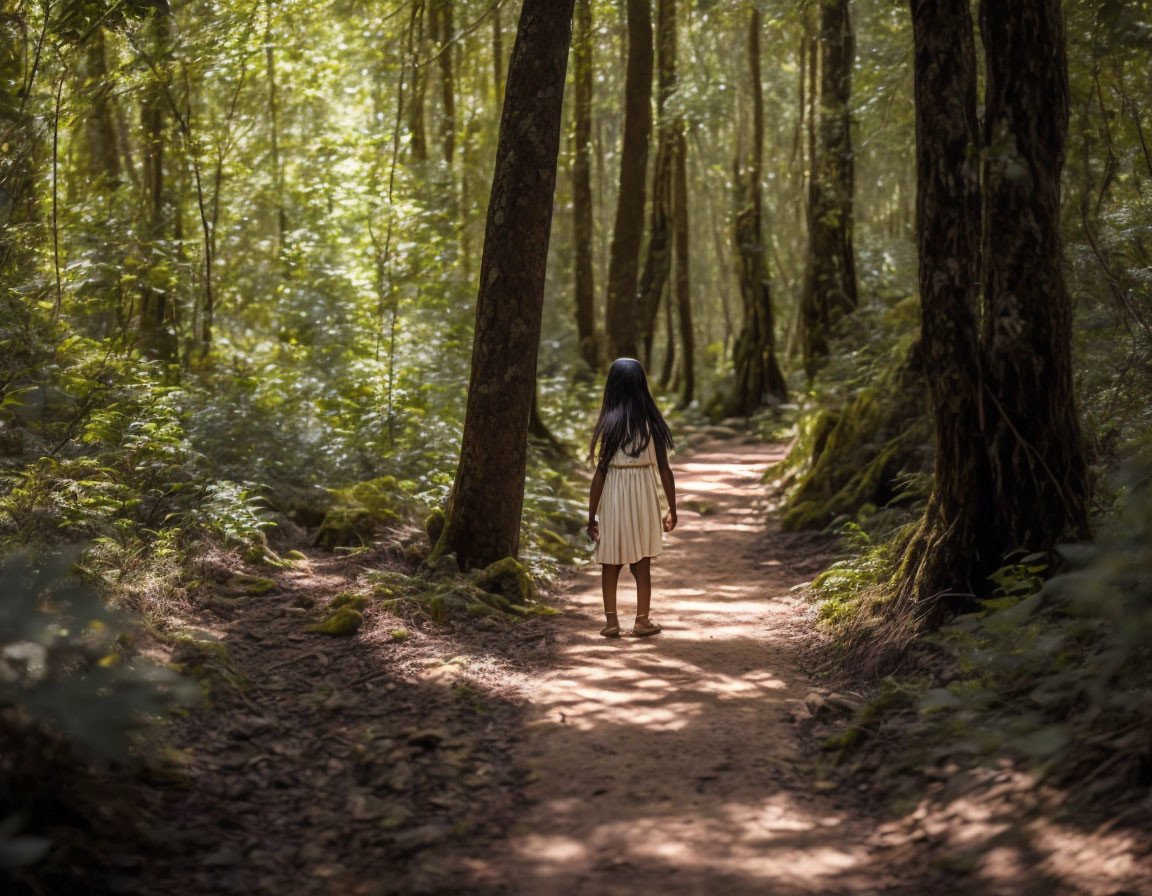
(629, 466)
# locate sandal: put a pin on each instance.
(611, 631)
(643, 628)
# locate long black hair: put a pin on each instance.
(628, 415)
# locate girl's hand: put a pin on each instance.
(593, 531)
(670, 521)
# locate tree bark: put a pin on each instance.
(682, 280)
(653, 285)
(444, 25)
(100, 123)
(582, 189)
(951, 539)
(157, 336)
(274, 131)
(1010, 467)
(621, 318)
(1036, 451)
(757, 371)
(830, 288)
(417, 138)
(483, 520)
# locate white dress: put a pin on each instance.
(630, 524)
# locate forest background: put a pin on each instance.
(241, 245)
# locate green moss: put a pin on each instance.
(555, 544)
(296, 556)
(361, 512)
(348, 599)
(434, 525)
(508, 578)
(207, 662)
(399, 634)
(345, 621)
(251, 585)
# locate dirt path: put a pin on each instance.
(671, 764)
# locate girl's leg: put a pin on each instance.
(642, 573)
(609, 577)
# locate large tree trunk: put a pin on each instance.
(582, 189)
(1010, 468)
(757, 371)
(830, 288)
(622, 319)
(682, 280)
(1039, 471)
(483, 523)
(658, 262)
(952, 538)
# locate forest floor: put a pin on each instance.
(540, 758)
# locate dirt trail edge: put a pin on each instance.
(671, 764)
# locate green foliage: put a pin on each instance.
(345, 621)
(856, 581)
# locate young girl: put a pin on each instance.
(630, 444)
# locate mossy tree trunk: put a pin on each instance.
(417, 136)
(621, 318)
(1010, 468)
(483, 520)
(102, 138)
(444, 32)
(658, 261)
(757, 371)
(830, 286)
(582, 231)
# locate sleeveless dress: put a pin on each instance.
(630, 524)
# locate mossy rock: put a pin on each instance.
(555, 545)
(361, 512)
(296, 556)
(399, 634)
(253, 586)
(508, 578)
(348, 599)
(434, 525)
(345, 621)
(207, 662)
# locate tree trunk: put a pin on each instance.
(100, 123)
(445, 29)
(658, 263)
(157, 337)
(582, 189)
(417, 139)
(682, 281)
(1039, 472)
(483, 521)
(621, 318)
(274, 132)
(757, 372)
(830, 288)
(952, 538)
(1010, 468)
(497, 55)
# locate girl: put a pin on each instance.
(630, 443)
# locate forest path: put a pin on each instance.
(671, 764)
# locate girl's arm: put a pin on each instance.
(669, 483)
(593, 503)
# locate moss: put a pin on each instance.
(207, 662)
(856, 455)
(399, 634)
(434, 525)
(348, 599)
(296, 556)
(251, 585)
(555, 545)
(508, 578)
(361, 512)
(415, 554)
(345, 621)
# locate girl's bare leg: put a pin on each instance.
(642, 573)
(609, 577)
